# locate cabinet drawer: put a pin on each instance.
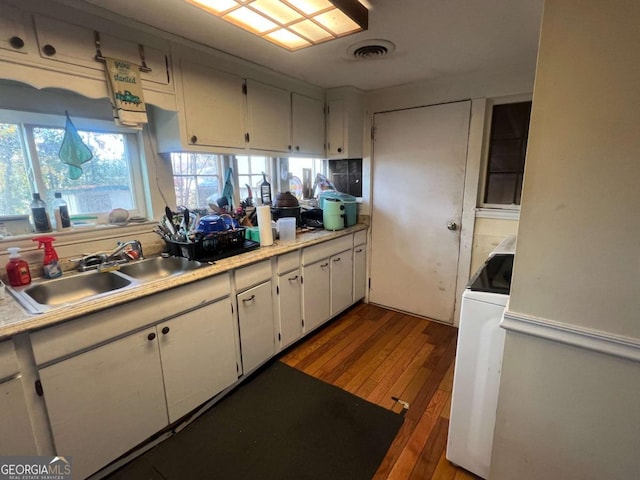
(359, 237)
(288, 261)
(8, 360)
(96, 328)
(326, 249)
(247, 277)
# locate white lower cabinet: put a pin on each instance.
(341, 266)
(289, 307)
(316, 295)
(359, 272)
(103, 402)
(255, 317)
(198, 356)
(17, 438)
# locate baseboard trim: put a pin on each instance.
(594, 340)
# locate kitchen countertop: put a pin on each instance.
(14, 319)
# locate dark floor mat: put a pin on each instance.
(281, 424)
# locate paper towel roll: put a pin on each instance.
(264, 225)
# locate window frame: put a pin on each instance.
(27, 121)
(491, 209)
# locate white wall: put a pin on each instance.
(572, 411)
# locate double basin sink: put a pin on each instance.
(44, 295)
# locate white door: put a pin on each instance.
(198, 356)
(315, 294)
(257, 338)
(419, 158)
(290, 308)
(104, 402)
(341, 284)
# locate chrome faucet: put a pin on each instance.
(123, 253)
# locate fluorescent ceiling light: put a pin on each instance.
(292, 24)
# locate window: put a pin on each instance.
(506, 153)
(249, 172)
(29, 163)
(196, 178)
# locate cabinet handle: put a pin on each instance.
(359, 250)
(337, 259)
(49, 50)
(293, 279)
(250, 299)
(165, 330)
(151, 336)
(16, 42)
(193, 139)
(38, 386)
(290, 148)
(297, 148)
(339, 149)
(324, 265)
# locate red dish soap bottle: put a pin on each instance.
(17, 269)
(50, 265)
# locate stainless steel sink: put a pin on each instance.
(159, 267)
(44, 295)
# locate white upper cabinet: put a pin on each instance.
(307, 125)
(78, 45)
(345, 123)
(213, 107)
(269, 117)
(13, 31)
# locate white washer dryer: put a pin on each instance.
(478, 362)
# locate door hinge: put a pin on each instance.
(369, 283)
(38, 386)
(244, 88)
(277, 289)
(303, 322)
(301, 279)
(237, 369)
(373, 133)
(279, 337)
(247, 137)
(232, 311)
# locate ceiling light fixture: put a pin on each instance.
(292, 24)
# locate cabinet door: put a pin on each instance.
(315, 294)
(13, 34)
(198, 356)
(103, 402)
(214, 106)
(341, 281)
(335, 127)
(255, 315)
(359, 272)
(64, 42)
(269, 110)
(307, 124)
(289, 307)
(17, 437)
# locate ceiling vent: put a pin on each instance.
(369, 49)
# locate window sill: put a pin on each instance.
(498, 213)
(79, 234)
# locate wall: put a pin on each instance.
(568, 404)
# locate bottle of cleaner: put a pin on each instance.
(40, 215)
(50, 265)
(17, 269)
(60, 213)
(265, 190)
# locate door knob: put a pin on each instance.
(452, 226)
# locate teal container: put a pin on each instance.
(349, 201)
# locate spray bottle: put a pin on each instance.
(17, 269)
(50, 265)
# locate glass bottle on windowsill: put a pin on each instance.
(40, 215)
(61, 217)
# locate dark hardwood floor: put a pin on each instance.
(378, 354)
